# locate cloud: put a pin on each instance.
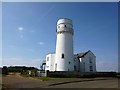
(41, 43)
(22, 62)
(20, 28)
(21, 31)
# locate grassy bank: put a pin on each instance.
(51, 78)
(48, 78)
(118, 74)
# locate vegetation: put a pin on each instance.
(51, 78)
(118, 74)
(31, 72)
(5, 70)
(19, 69)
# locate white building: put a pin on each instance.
(64, 59)
(50, 62)
(85, 62)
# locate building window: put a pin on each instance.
(47, 58)
(56, 67)
(62, 55)
(69, 62)
(75, 68)
(84, 66)
(47, 66)
(91, 68)
(90, 60)
(65, 25)
(74, 60)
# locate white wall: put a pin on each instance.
(76, 63)
(85, 63)
(64, 45)
(50, 60)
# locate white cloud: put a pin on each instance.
(41, 43)
(22, 62)
(20, 28)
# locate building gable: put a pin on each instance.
(83, 54)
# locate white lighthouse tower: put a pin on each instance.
(64, 60)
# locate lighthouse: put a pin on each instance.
(64, 57)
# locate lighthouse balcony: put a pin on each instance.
(60, 31)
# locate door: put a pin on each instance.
(56, 67)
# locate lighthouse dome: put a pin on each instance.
(64, 21)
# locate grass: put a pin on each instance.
(3, 75)
(118, 74)
(51, 78)
(47, 78)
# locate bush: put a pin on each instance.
(5, 70)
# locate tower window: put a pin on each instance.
(75, 68)
(65, 25)
(69, 62)
(62, 55)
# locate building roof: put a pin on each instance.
(82, 54)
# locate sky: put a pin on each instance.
(29, 31)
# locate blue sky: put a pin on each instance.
(29, 31)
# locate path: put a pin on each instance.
(13, 81)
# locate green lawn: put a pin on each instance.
(50, 78)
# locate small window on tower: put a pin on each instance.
(65, 25)
(62, 55)
(69, 62)
(75, 68)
